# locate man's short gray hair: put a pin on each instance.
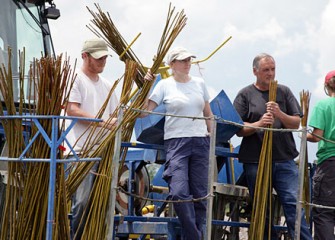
(255, 63)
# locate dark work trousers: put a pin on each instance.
(80, 203)
(324, 194)
(186, 172)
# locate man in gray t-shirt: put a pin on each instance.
(250, 103)
(255, 109)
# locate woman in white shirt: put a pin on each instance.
(186, 140)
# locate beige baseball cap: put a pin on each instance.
(178, 53)
(97, 48)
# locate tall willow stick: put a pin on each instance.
(263, 187)
(305, 97)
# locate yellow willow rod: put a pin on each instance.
(165, 68)
(129, 46)
(263, 182)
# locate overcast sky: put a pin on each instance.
(298, 34)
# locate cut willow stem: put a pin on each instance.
(263, 187)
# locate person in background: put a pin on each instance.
(87, 96)
(186, 140)
(323, 123)
(252, 104)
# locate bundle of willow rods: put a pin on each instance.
(53, 75)
(263, 187)
(15, 143)
(96, 225)
(27, 196)
(106, 29)
(305, 97)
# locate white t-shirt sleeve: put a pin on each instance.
(206, 94)
(75, 92)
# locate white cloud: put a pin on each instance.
(326, 47)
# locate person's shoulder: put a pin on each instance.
(105, 81)
(81, 78)
(247, 88)
(79, 75)
(283, 87)
(197, 79)
(326, 101)
(166, 81)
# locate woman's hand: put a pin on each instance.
(149, 76)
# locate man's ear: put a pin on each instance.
(254, 70)
(84, 55)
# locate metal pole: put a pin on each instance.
(302, 159)
(52, 178)
(131, 188)
(211, 167)
(115, 168)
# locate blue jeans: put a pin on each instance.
(285, 182)
(186, 172)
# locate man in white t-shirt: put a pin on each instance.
(87, 96)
